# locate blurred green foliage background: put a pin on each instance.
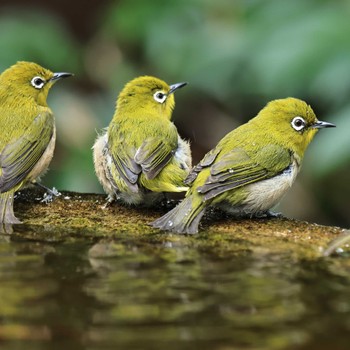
(236, 55)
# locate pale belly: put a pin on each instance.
(102, 162)
(42, 165)
(265, 194)
(183, 154)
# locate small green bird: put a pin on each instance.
(251, 168)
(141, 154)
(27, 130)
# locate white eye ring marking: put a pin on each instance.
(37, 82)
(298, 123)
(160, 96)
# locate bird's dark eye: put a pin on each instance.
(37, 82)
(160, 96)
(298, 123)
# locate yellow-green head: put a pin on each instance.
(147, 95)
(28, 80)
(291, 122)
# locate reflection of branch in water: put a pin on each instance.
(335, 245)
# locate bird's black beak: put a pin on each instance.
(60, 75)
(176, 86)
(321, 125)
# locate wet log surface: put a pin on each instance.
(82, 216)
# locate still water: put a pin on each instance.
(82, 293)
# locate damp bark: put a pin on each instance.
(77, 215)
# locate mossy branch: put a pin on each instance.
(78, 215)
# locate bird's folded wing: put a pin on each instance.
(153, 155)
(236, 169)
(20, 156)
(125, 166)
(149, 159)
(207, 161)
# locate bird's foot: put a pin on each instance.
(6, 229)
(268, 215)
(9, 217)
(110, 200)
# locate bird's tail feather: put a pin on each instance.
(7, 215)
(184, 218)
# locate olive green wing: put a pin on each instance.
(125, 165)
(206, 162)
(19, 157)
(154, 155)
(149, 158)
(236, 169)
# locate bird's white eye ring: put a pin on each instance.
(160, 96)
(298, 123)
(37, 82)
